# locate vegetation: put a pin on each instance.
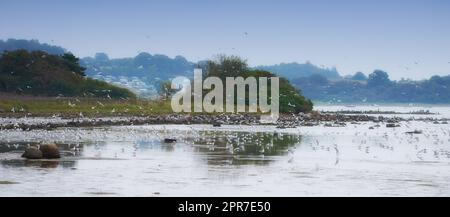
(295, 70)
(376, 88)
(72, 106)
(39, 73)
(145, 66)
(150, 71)
(166, 91)
(30, 45)
(291, 100)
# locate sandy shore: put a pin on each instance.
(285, 121)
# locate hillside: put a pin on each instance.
(296, 70)
(30, 45)
(143, 73)
(43, 74)
(376, 88)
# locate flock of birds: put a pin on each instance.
(430, 144)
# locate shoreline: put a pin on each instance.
(27, 123)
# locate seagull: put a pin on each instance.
(71, 104)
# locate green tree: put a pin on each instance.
(166, 91)
(40, 73)
(73, 63)
(291, 99)
(378, 78)
(226, 66)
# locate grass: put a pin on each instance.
(21, 105)
(46, 106)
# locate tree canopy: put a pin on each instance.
(40, 73)
(291, 99)
(378, 78)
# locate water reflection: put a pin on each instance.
(66, 149)
(238, 148)
(14, 150)
(211, 147)
(232, 160)
(48, 164)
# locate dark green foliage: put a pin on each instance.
(165, 90)
(72, 63)
(291, 100)
(39, 73)
(226, 66)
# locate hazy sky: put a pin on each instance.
(409, 38)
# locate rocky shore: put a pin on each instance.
(285, 120)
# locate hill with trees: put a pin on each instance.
(42, 74)
(296, 70)
(30, 45)
(291, 98)
(376, 88)
(145, 73)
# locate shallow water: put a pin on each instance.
(232, 161)
(439, 111)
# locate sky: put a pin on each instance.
(406, 38)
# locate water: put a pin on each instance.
(231, 161)
(442, 111)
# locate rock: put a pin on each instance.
(217, 125)
(436, 122)
(371, 128)
(415, 132)
(392, 125)
(8, 183)
(342, 124)
(50, 151)
(444, 122)
(167, 140)
(308, 124)
(32, 153)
